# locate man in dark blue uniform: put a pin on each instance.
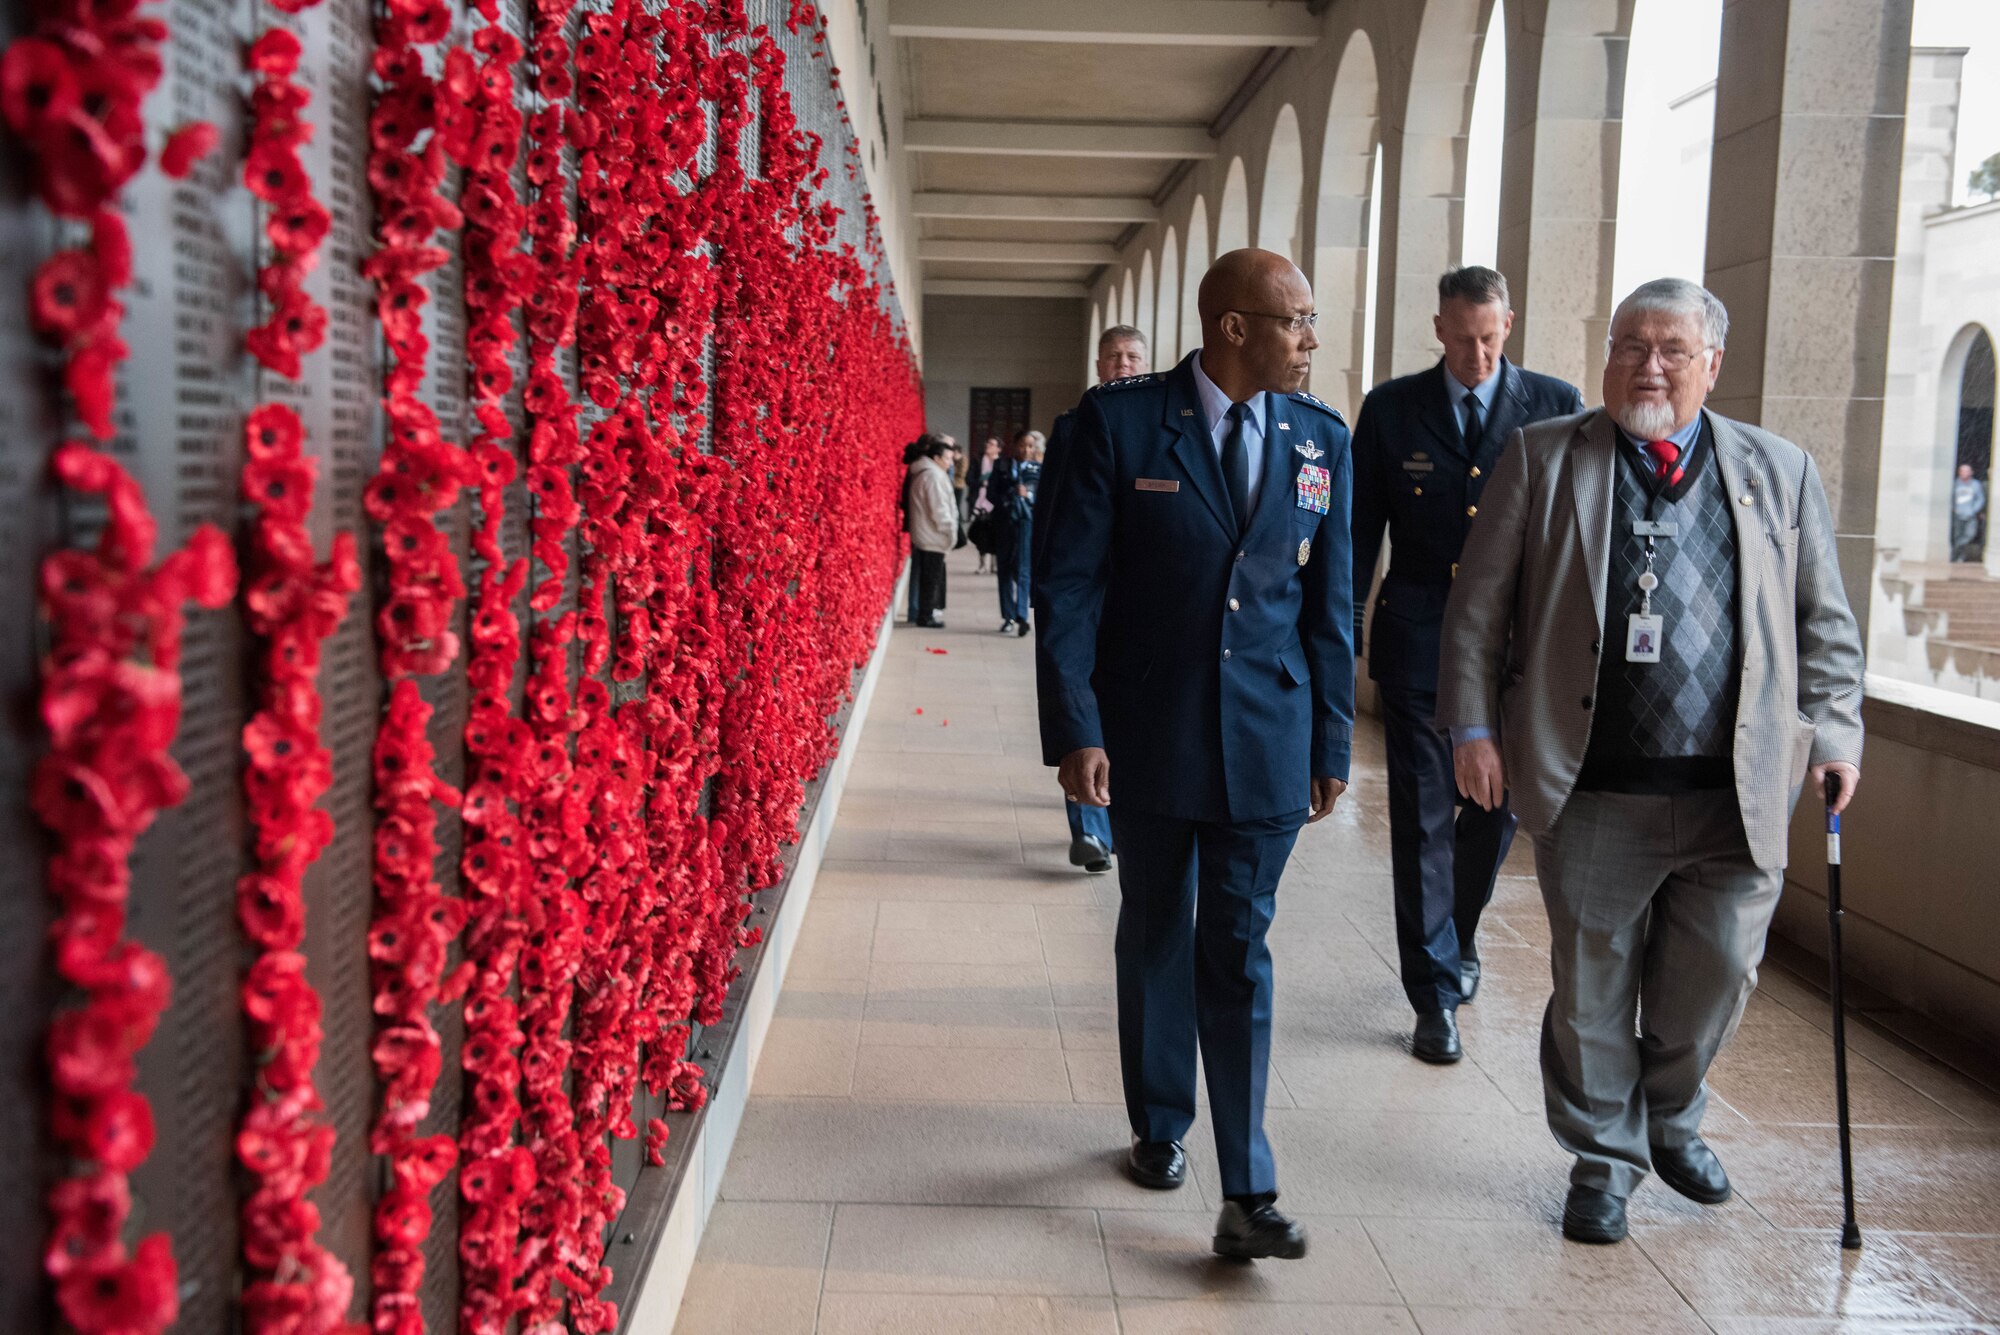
(1121, 353)
(1423, 449)
(1196, 639)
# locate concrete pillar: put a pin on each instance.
(1802, 235)
(1559, 180)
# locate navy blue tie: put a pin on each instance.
(1236, 464)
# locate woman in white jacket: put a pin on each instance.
(931, 517)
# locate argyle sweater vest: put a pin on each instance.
(1669, 726)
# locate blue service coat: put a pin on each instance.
(1215, 667)
(1415, 478)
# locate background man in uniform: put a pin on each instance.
(1658, 783)
(1121, 352)
(1423, 451)
(1196, 640)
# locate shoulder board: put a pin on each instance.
(1300, 396)
(1130, 381)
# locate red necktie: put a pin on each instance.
(1666, 461)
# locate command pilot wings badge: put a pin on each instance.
(1310, 450)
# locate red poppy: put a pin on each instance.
(139, 1295)
(187, 146)
(68, 295)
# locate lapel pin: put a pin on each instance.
(1187, 412)
(1284, 426)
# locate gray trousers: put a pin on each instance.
(1657, 918)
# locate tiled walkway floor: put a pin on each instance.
(933, 1138)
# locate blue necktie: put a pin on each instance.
(1236, 464)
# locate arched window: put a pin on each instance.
(1281, 215)
(1480, 242)
(1347, 232)
(1431, 171)
(1144, 320)
(1232, 225)
(1128, 304)
(1193, 266)
(1166, 348)
(1973, 445)
(1665, 142)
(1090, 354)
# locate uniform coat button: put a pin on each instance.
(1471, 510)
(1235, 606)
(1239, 557)
(1475, 470)
(1225, 655)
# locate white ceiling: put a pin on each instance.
(1039, 132)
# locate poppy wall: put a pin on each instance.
(449, 460)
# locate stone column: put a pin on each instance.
(1802, 235)
(1559, 180)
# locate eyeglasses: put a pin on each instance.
(1630, 353)
(1296, 324)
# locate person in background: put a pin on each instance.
(1424, 450)
(1649, 647)
(1121, 353)
(913, 452)
(1968, 507)
(932, 520)
(1011, 490)
(978, 514)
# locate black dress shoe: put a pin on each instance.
(1436, 1039)
(1158, 1164)
(1693, 1171)
(1022, 628)
(1468, 980)
(1254, 1232)
(1593, 1216)
(1088, 852)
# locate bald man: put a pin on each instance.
(1195, 655)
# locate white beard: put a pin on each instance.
(1648, 421)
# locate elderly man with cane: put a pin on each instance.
(1646, 650)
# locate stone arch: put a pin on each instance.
(1143, 321)
(1566, 64)
(1485, 141)
(1281, 212)
(1128, 303)
(1965, 422)
(1090, 351)
(1430, 191)
(1343, 259)
(1165, 335)
(1232, 221)
(1193, 265)
(1666, 128)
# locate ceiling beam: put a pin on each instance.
(1065, 139)
(1018, 252)
(1003, 287)
(1100, 22)
(1034, 208)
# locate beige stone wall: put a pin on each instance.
(871, 83)
(1001, 341)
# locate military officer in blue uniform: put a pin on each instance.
(1195, 657)
(1423, 449)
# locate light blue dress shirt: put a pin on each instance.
(1215, 404)
(1485, 391)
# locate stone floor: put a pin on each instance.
(934, 1133)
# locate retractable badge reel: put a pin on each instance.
(1645, 628)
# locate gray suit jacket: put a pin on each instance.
(1523, 629)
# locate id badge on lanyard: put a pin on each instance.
(1645, 629)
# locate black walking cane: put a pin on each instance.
(1850, 1232)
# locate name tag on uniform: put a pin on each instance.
(1315, 489)
(1155, 484)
